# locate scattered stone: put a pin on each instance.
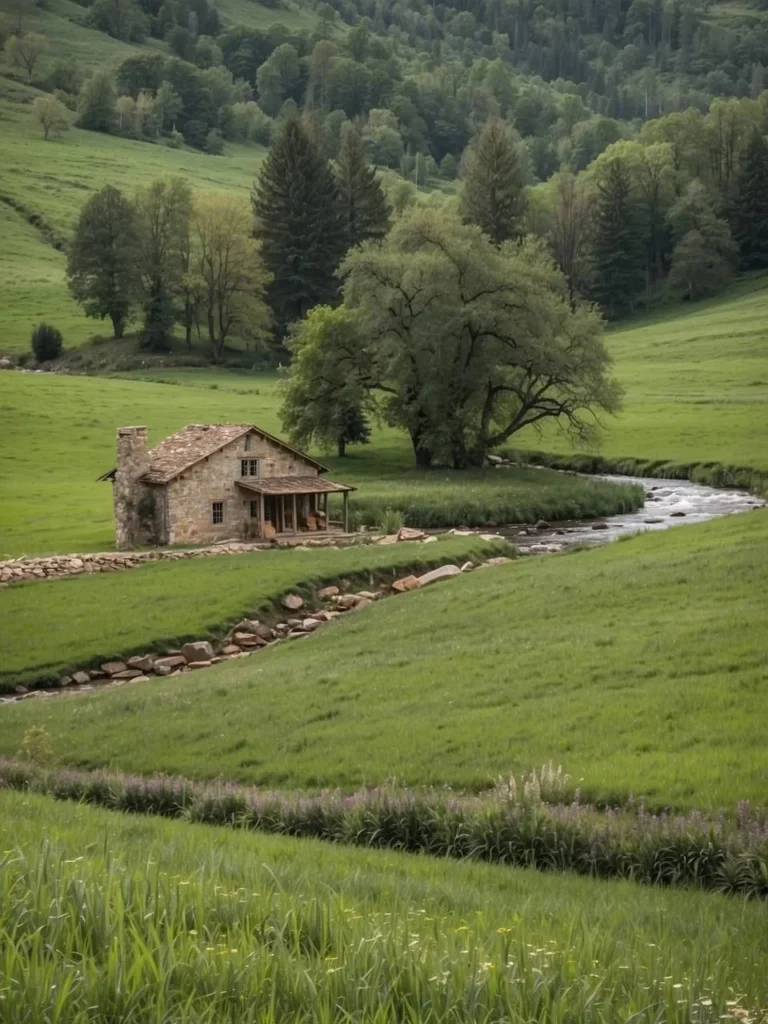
(81, 678)
(198, 650)
(677, 515)
(142, 661)
(409, 533)
(292, 602)
(362, 602)
(491, 536)
(141, 679)
(430, 540)
(5, 363)
(230, 649)
(128, 673)
(162, 670)
(653, 522)
(171, 661)
(542, 525)
(599, 526)
(498, 560)
(370, 595)
(111, 668)
(311, 624)
(468, 567)
(327, 593)
(20, 689)
(346, 601)
(96, 673)
(443, 573)
(494, 460)
(296, 634)
(248, 640)
(406, 583)
(390, 538)
(66, 680)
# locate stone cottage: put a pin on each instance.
(216, 482)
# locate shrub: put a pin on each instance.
(391, 521)
(46, 342)
(214, 143)
(175, 139)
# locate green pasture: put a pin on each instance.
(86, 620)
(59, 437)
(696, 384)
(640, 667)
(171, 921)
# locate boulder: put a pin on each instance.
(405, 584)
(5, 363)
(141, 679)
(327, 593)
(676, 515)
(111, 668)
(430, 540)
(491, 536)
(498, 560)
(128, 673)
(230, 649)
(542, 525)
(409, 533)
(292, 602)
(494, 460)
(311, 624)
(172, 661)
(64, 681)
(81, 678)
(362, 602)
(390, 538)
(248, 640)
(445, 572)
(468, 567)
(162, 670)
(599, 526)
(142, 661)
(346, 601)
(653, 522)
(198, 650)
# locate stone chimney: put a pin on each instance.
(132, 462)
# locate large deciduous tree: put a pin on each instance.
(324, 399)
(227, 275)
(163, 214)
(26, 50)
(493, 196)
(469, 342)
(102, 266)
(363, 206)
(296, 207)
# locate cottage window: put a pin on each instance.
(254, 510)
(250, 467)
(217, 513)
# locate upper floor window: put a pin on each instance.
(250, 467)
(217, 513)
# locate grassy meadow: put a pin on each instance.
(86, 620)
(696, 383)
(171, 921)
(59, 437)
(639, 667)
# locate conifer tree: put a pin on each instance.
(749, 211)
(296, 207)
(363, 206)
(103, 262)
(494, 182)
(618, 249)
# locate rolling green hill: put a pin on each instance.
(640, 667)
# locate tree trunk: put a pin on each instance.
(117, 324)
(341, 446)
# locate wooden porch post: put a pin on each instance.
(295, 520)
(345, 501)
(261, 516)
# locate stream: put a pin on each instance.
(667, 503)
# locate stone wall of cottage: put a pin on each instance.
(190, 496)
(134, 502)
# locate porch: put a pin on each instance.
(290, 506)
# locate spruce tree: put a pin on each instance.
(494, 182)
(749, 208)
(363, 206)
(103, 262)
(618, 250)
(296, 207)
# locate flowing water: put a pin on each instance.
(667, 503)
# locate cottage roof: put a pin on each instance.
(292, 485)
(183, 449)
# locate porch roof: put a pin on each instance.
(292, 485)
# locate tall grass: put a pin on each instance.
(511, 825)
(111, 919)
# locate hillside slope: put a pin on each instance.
(640, 667)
